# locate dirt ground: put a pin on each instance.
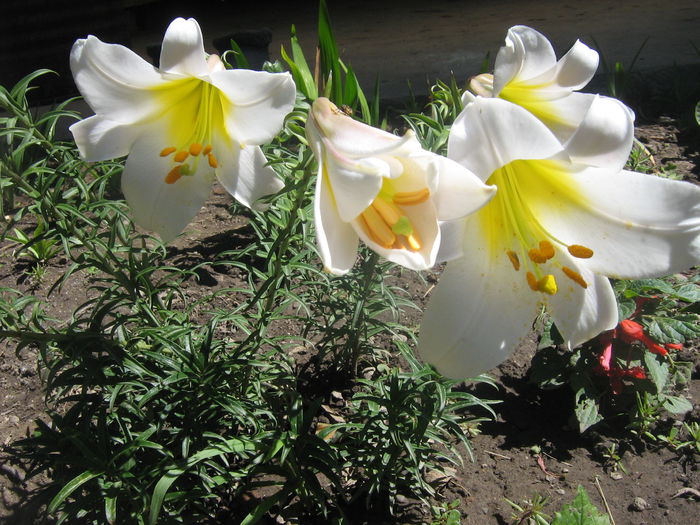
(504, 466)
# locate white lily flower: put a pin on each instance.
(528, 74)
(383, 189)
(181, 125)
(551, 236)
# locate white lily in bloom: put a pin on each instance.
(383, 189)
(551, 236)
(181, 125)
(528, 74)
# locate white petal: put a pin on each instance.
(183, 49)
(451, 240)
(581, 314)
(527, 54)
(561, 115)
(101, 139)
(490, 133)
(155, 205)
(577, 67)
(424, 221)
(355, 183)
(637, 225)
(337, 241)
(479, 312)
(115, 81)
(604, 136)
(259, 103)
(354, 138)
(244, 173)
(459, 191)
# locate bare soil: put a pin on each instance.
(504, 466)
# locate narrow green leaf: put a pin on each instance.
(239, 56)
(69, 488)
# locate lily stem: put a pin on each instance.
(358, 319)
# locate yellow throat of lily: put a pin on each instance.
(511, 227)
(199, 115)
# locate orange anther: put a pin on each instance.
(536, 256)
(173, 176)
(574, 276)
(546, 249)
(532, 281)
(580, 251)
(407, 198)
(195, 148)
(167, 151)
(181, 156)
(514, 260)
(212, 160)
(207, 149)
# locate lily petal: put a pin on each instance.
(336, 239)
(357, 139)
(155, 205)
(577, 67)
(490, 133)
(115, 81)
(526, 54)
(355, 183)
(244, 173)
(581, 314)
(637, 225)
(605, 134)
(259, 102)
(101, 139)
(478, 313)
(459, 192)
(451, 240)
(183, 49)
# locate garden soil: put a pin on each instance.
(505, 464)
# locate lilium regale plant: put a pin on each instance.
(551, 236)
(528, 74)
(384, 189)
(181, 125)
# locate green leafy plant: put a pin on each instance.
(632, 370)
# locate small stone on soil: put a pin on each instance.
(639, 505)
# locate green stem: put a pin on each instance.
(358, 318)
(270, 286)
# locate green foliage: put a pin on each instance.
(667, 311)
(446, 514)
(163, 407)
(580, 512)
